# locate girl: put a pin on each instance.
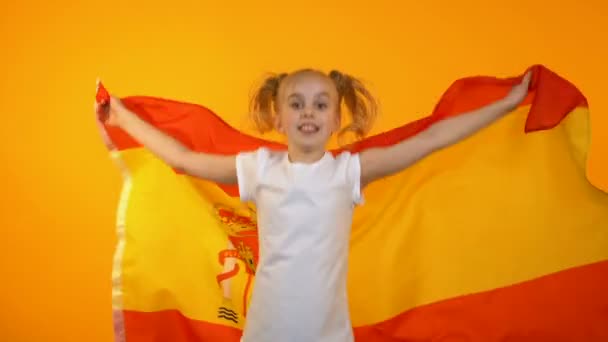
(305, 196)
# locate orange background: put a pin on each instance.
(60, 187)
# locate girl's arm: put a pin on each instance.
(217, 168)
(377, 163)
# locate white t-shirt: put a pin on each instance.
(304, 214)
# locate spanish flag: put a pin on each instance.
(501, 237)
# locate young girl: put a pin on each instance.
(305, 196)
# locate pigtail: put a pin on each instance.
(262, 103)
(361, 105)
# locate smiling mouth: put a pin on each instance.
(308, 128)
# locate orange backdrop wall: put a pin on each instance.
(60, 189)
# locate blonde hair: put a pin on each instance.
(361, 105)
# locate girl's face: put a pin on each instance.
(308, 110)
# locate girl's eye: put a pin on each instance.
(322, 105)
(295, 105)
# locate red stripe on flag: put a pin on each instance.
(171, 325)
(571, 305)
(551, 98)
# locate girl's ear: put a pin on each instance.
(337, 121)
(278, 125)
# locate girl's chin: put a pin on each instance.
(310, 146)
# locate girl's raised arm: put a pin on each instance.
(217, 168)
(380, 162)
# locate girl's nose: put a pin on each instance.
(308, 112)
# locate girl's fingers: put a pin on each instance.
(527, 77)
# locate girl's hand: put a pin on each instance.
(519, 92)
(108, 108)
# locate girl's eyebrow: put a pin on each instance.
(294, 95)
(324, 93)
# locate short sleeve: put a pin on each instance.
(353, 174)
(248, 166)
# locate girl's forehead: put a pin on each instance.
(308, 83)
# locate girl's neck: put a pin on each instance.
(296, 155)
